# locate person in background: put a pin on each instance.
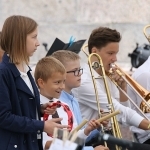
(142, 76)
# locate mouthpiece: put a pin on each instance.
(112, 65)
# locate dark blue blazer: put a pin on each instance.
(18, 124)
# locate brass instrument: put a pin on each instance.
(98, 64)
(141, 92)
(144, 31)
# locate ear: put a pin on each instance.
(94, 50)
(40, 83)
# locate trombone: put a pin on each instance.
(99, 65)
(144, 31)
(141, 92)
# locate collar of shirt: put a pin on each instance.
(69, 96)
(26, 69)
(73, 104)
(44, 99)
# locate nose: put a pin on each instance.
(62, 86)
(80, 72)
(37, 43)
(114, 58)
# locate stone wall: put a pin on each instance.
(65, 18)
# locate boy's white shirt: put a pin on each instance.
(61, 114)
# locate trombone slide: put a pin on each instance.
(108, 116)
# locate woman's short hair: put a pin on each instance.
(13, 37)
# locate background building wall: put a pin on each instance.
(66, 18)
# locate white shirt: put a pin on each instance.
(87, 99)
(61, 114)
(142, 76)
(26, 79)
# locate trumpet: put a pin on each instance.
(141, 92)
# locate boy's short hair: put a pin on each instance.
(46, 67)
(102, 36)
(65, 55)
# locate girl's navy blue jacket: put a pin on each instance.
(18, 124)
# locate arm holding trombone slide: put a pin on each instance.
(91, 123)
(72, 136)
(99, 138)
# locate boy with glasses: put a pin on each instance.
(76, 72)
(51, 83)
(71, 61)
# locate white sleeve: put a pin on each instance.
(126, 103)
(81, 134)
(127, 115)
(86, 96)
(144, 80)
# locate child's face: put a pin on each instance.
(32, 42)
(108, 54)
(73, 79)
(53, 86)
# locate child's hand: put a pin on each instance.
(49, 125)
(100, 147)
(47, 145)
(48, 110)
(106, 122)
(93, 124)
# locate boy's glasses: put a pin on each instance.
(76, 72)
